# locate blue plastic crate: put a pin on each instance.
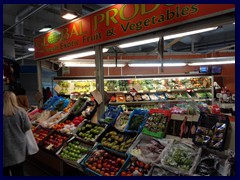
(137, 112)
(100, 147)
(112, 112)
(50, 102)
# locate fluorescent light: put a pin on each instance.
(211, 63)
(189, 33)
(79, 55)
(31, 49)
(233, 22)
(157, 65)
(76, 64)
(45, 29)
(69, 16)
(113, 65)
(137, 43)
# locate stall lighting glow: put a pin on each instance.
(31, 49)
(69, 16)
(137, 43)
(157, 65)
(72, 64)
(79, 55)
(45, 29)
(211, 63)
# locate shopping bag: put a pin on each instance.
(32, 147)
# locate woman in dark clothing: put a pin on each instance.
(48, 92)
(15, 124)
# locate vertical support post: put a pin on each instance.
(161, 50)
(99, 78)
(39, 79)
(212, 79)
(192, 45)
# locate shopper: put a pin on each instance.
(22, 98)
(49, 93)
(15, 124)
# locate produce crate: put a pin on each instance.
(142, 115)
(135, 167)
(211, 131)
(148, 149)
(159, 170)
(79, 106)
(157, 123)
(48, 146)
(50, 102)
(181, 158)
(33, 114)
(112, 162)
(122, 121)
(37, 132)
(86, 126)
(59, 116)
(79, 147)
(115, 140)
(110, 115)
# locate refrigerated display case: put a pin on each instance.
(149, 89)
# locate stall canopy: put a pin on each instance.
(121, 21)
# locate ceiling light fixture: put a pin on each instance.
(137, 43)
(77, 64)
(45, 29)
(69, 16)
(157, 65)
(211, 63)
(31, 49)
(79, 55)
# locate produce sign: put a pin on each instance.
(156, 124)
(116, 140)
(136, 168)
(103, 162)
(74, 151)
(181, 158)
(211, 131)
(54, 141)
(121, 21)
(89, 131)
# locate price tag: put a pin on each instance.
(57, 88)
(152, 90)
(205, 83)
(125, 92)
(133, 92)
(137, 87)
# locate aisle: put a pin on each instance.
(31, 169)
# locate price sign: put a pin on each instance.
(133, 92)
(97, 96)
(57, 88)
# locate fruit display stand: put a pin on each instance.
(74, 150)
(148, 149)
(104, 162)
(110, 115)
(115, 140)
(89, 131)
(137, 120)
(55, 119)
(181, 158)
(212, 131)
(157, 123)
(40, 133)
(134, 167)
(122, 121)
(54, 141)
